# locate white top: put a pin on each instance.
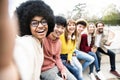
(89, 39)
(98, 39)
(28, 55)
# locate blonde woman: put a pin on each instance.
(68, 40)
(87, 45)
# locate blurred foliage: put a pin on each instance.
(111, 15)
(77, 12)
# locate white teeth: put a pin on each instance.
(41, 31)
(57, 33)
(71, 29)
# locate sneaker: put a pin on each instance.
(115, 73)
(92, 77)
(100, 75)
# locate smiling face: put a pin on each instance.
(100, 27)
(71, 28)
(80, 28)
(91, 28)
(58, 30)
(39, 27)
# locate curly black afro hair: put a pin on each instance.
(28, 10)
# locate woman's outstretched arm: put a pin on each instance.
(7, 35)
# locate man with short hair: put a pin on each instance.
(101, 40)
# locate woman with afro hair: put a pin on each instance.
(35, 21)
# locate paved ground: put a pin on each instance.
(105, 67)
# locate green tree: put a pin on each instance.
(111, 15)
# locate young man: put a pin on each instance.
(101, 40)
(52, 68)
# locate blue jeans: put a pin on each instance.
(84, 56)
(95, 63)
(111, 57)
(74, 67)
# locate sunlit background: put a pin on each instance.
(89, 9)
(107, 11)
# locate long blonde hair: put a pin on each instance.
(92, 44)
(93, 34)
(71, 21)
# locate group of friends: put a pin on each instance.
(48, 47)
